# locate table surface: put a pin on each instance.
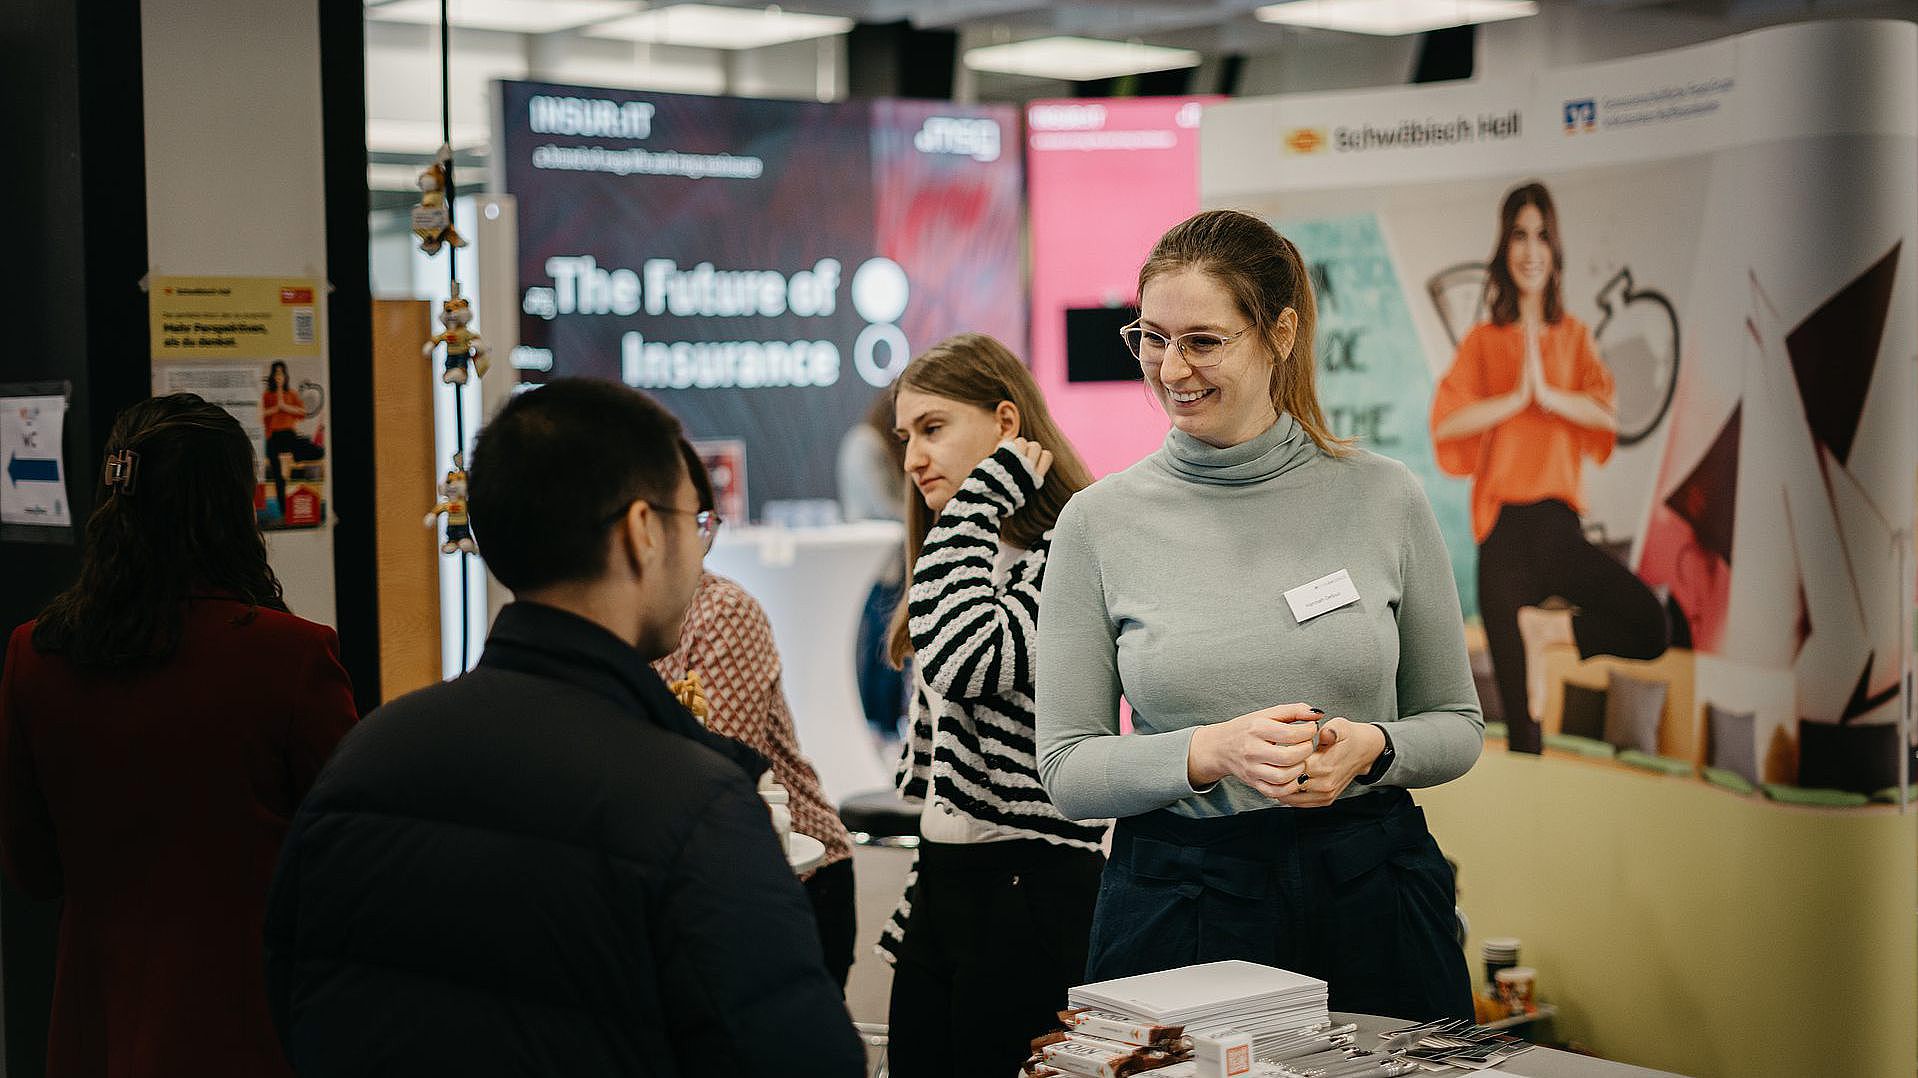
(806, 852)
(1537, 1063)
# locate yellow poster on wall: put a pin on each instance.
(251, 345)
(233, 317)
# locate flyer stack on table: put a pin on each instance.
(1232, 1010)
(1262, 1002)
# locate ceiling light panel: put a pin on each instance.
(706, 26)
(1076, 59)
(1393, 17)
(510, 16)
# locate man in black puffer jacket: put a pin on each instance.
(548, 867)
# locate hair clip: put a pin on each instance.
(121, 469)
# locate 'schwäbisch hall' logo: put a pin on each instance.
(1305, 140)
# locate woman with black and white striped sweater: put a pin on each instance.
(992, 928)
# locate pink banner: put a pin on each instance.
(1105, 179)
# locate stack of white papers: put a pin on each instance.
(1260, 1001)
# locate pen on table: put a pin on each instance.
(1300, 1049)
(1321, 1029)
(1364, 1067)
(1315, 1062)
(1352, 1063)
(1316, 1052)
(1384, 1068)
(1345, 1033)
(1364, 1058)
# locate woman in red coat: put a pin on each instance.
(159, 723)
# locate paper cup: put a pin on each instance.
(1518, 990)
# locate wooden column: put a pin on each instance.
(406, 475)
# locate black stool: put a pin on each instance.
(880, 818)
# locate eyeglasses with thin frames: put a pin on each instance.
(1200, 348)
(705, 520)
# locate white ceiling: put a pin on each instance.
(1207, 25)
(1203, 24)
(402, 60)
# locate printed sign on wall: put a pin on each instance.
(251, 346)
(763, 267)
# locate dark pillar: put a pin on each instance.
(75, 247)
(1446, 54)
(893, 59)
(350, 345)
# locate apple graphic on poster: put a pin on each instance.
(1638, 338)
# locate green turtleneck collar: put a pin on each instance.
(1283, 447)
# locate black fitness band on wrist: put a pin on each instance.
(1384, 763)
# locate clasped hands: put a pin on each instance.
(1533, 386)
(1271, 749)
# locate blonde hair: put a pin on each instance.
(976, 370)
(1266, 275)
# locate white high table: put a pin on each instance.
(813, 584)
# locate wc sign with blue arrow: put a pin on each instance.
(33, 491)
(33, 470)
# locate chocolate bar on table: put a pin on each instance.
(1117, 1027)
(1054, 1037)
(1092, 1061)
(1177, 1044)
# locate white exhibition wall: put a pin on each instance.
(1737, 221)
(234, 183)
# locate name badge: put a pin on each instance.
(1324, 595)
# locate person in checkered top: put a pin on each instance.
(728, 642)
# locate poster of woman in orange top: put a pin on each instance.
(1526, 402)
(282, 409)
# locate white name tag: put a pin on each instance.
(1323, 595)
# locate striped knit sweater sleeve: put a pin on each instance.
(971, 637)
(969, 745)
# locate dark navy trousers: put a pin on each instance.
(1356, 894)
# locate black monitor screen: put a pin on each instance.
(1094, 350)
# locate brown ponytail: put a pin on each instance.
(1266, 274)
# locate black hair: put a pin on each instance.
(555, 468)
(183, 525)
(696, 471)
(279, 368)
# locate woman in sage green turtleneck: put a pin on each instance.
(1279, 611)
